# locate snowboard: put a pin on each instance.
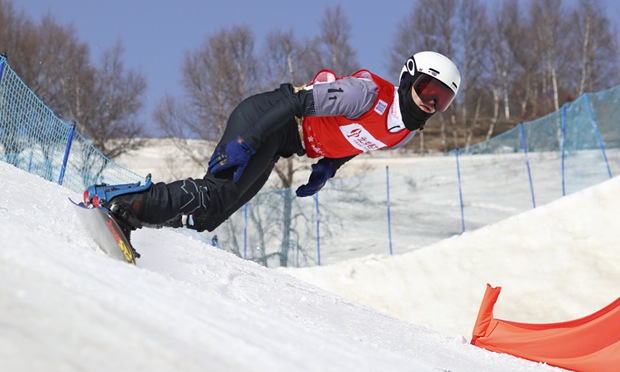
(105, 232)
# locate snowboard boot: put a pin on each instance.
(121, 202)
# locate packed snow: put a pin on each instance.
(187, 306)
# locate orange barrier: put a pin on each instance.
(591, 343)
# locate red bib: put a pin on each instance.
(338, 136)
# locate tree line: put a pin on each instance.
(104, 100)
(518, 60)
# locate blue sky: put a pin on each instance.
(156, 34)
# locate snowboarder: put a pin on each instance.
(332, 118)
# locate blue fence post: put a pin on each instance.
(67, 151)
(562, 144)
(30, 160)
(598, 134)
(245, 231)
(389, 218)
(2, 61)
(458, 177)
(318, 230)
(527, 163)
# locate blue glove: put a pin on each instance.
(236, 154)
(321, 172)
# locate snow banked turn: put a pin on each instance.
(186, 307)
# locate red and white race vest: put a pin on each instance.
(338, 136)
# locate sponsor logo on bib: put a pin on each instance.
(360, 138)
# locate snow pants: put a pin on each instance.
(215, 197)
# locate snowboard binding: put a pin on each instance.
(101, 196)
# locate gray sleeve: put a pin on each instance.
(349, 97)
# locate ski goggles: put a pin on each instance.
(433, 91)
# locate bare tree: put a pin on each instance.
(286, 59)
(216, 78)
(219, 76)
(114, 101)
(17, 38)
(49, 58)
(598, 46)
(475, 73)
(506, 41)
(547, 21)
(334, 50)
(435, 29)
(518, 38)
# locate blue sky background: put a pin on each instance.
(156, 34)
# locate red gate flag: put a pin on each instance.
(591, 343)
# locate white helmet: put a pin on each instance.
(434, 77)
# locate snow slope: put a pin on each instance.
(65, 306)
(554, 263)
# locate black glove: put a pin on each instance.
(237, 154)
(321, 172)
